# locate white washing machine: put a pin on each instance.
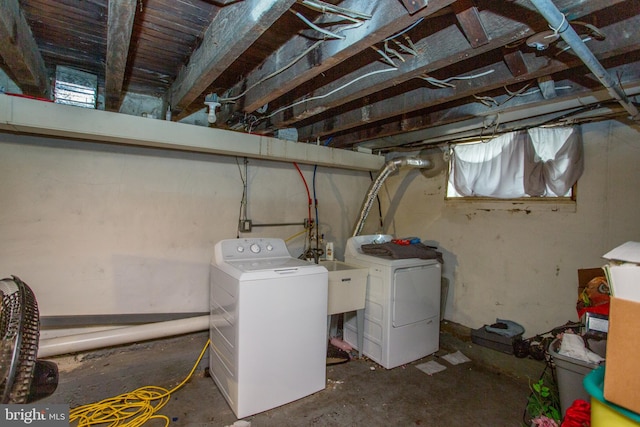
(271, 347)
(402, 308)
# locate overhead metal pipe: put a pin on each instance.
(390, 167)
(559, 24)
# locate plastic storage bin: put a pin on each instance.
(570, 374)
(604, 413)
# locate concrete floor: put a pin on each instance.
(491, 390)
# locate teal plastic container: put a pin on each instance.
(603, 412)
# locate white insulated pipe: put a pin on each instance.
(118, 336)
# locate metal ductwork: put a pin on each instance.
(390, 167)
(558, 22)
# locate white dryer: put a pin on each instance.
(402, 308)
(270, 349)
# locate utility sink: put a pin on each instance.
(347, 286)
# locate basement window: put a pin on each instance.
(536, 164)
(75, 87)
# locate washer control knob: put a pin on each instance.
(269, 247)
(240, 249)
(255, 248)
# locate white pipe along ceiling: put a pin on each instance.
(558, 22)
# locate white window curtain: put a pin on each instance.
(540, 162)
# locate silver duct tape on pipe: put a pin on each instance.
(558, 22)
(390, 167)
(118, 336)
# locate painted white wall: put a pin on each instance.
(523, 266)
(106, 229)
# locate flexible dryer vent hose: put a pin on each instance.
(390, 167)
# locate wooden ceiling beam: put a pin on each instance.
(616, 45)
(437, 51)
(385, 21)
(20, 52)
(120, 24)
(232, 31)
(472, 120)
(405, 125)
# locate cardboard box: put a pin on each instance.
(622, 376)
(623, 271)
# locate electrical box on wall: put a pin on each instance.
(245, 226)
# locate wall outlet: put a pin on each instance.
(245, 226)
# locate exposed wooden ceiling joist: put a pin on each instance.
(230, 34)
(471, 121)
(438, 50)
(20, 52)
(499, 75)
(121, 16)
(347, 75)
(383, 24)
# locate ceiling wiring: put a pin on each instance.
(444, 83)
(319, 29)
(353, 16)
(486, 100)
(275, 73)
(313, 98)
(393, 51)
(386, 57)
(409, 28)
(411, 49)
(567, 47)
(532, 91)
(492, 102)
(364, 76)
(323, 7)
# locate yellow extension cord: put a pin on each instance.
(129, 409)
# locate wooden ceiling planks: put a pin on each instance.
(181, 50)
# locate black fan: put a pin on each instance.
(23, 378)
